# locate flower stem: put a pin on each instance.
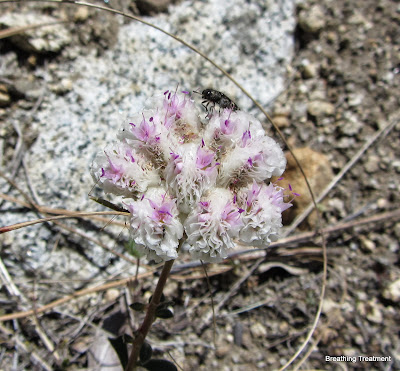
(149, 318)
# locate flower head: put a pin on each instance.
(212, 226)
(121, 170)
(155, 225)
(262, 215)
(145, 131)
(200, 182)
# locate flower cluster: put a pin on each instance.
(199, 182)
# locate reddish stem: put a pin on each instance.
(149, 318)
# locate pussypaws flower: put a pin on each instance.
(212, 226)
(121, 170)
(155, 225)
(198, 181)
(262, 210)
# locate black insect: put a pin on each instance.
(212, 97)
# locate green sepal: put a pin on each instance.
(160, 364)
(146, 351)
(138, 307)
(120, 348)
(164, 313)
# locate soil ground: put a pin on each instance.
(265, 305)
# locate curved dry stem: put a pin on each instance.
(331, 319)
(54, 211)
(18, 30)
(13, 227)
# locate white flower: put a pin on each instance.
(228, 128)
(155, 225)
(123, 171)
(212, 226)
(251, 159)
(262, 207)
(193, 180)
(191, 171)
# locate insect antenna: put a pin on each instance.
(197, 92)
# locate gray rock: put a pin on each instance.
(392, 291)
(27, 87)
(311, 20)
(351, 124)
(309, 70)
(48, 38)
(5, 99)
(320, 108)
(82, 113)
(372, 164)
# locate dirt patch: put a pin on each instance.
(343, 87)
